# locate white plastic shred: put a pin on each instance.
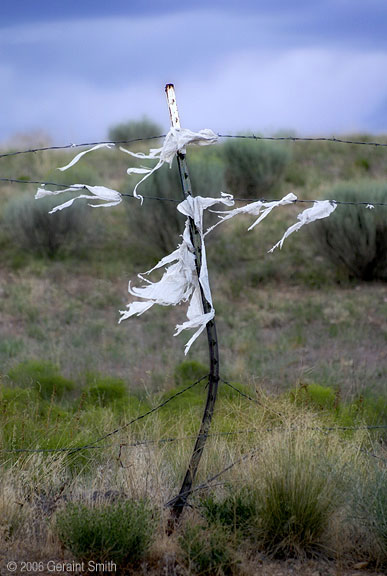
(79, 156)
(107, 195)
(175, 141)
(180, 282)
(370, 206)
(255, 208)
(320, 209)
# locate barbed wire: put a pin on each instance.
(304, 139)
(325, 429)
(248, 455)
(244, 395)
(172, 439)
(176, 201)
(82, 145)
(207, 483)
(91, 445)
(332, 139)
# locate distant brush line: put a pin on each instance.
(236, 136)
(163, 199)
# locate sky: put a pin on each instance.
(74, 69)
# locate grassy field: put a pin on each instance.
(298, 334)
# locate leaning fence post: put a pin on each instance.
(178, 503)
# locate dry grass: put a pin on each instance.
(321, 470)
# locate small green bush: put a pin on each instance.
(363, 409)
(43, 377)
(296, 503)
(354, 238)
(315, 396)
(143, 128)
(14, 400)
(188, 372)
(234, 511)
(207, 551)
(28, 222)
(252, 169)
(120, 532)
(106, 391)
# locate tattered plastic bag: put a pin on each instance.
(175, 141)
(254, 208)
(320, 209)
(180, 282)
(108, 196)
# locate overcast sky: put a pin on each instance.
(72, 69)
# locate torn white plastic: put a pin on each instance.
(259, 208)
(193, 207)
(180, 282)
(370, 206)
(108, 196)
(79, 156)
(320, 209)
(175, 141)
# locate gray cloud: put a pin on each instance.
(315, 68)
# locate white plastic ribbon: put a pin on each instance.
(79, 156)
(175, 141)
(320, 209)
(255, 208)
(370, 206)
(180, 282)
(107, 195)
(193, 207)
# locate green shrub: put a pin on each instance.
(43, 376)
(315, 396)
(188, 372)
(106, 391)
(33, 229)
(14, 400)
(234, 511)
(296, 502)
(120, 532)
(207, 551)
(354, 238)
(143, 128)
(252, 169)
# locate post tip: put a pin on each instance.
(169, 87)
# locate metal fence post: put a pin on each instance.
(180, 500)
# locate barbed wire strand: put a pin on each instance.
(150, 442)
(244, 395)
(324, 429)
(250, 454)
(206, 484)
(82, 145)
(304, 139)
(164, 199)
(109, 434)
(332, 139)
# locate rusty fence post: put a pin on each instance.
(179, 502)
